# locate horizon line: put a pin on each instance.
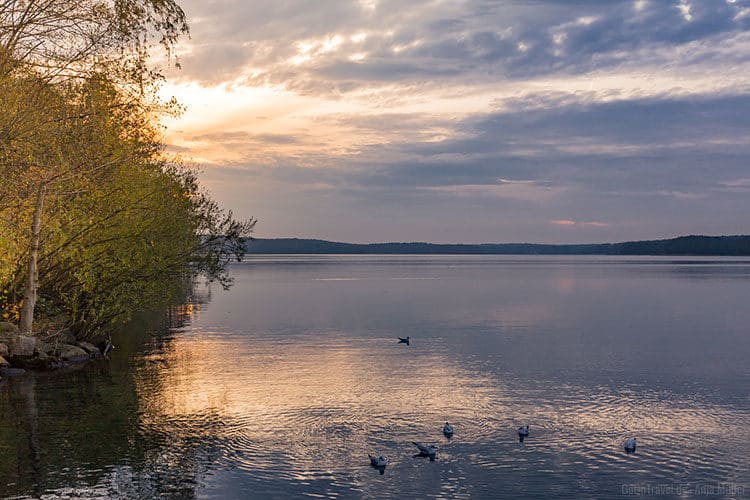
(499, 243)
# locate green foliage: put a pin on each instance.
(124, 226)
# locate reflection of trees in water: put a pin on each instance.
(200, 292)
(195, 295)
(180, 316)
(88, 432)
(63, 425)
(22, 434)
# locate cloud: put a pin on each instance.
(501, 120)
(568, 222)
(291, 43)
(243, 137)
(651, 147)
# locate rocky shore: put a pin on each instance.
(48, 351)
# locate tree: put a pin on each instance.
(83, 165)
(69, 38)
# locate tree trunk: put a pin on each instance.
(29, 294)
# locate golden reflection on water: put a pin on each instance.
(270, 378)
(317, 405)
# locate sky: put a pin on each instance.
(548, 121)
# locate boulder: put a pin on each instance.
(8, 330)
(43, 347)
(21, 345)
(69, 352)
(91, 349)
(3, 349)
(6, 326)
(4, 363)
(11, 372)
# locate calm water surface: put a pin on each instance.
(281, 386)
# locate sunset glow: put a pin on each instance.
(322, 117)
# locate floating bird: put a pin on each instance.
(630, 445)
(426, 449)
(378, 461)
(523, 432)
(403, 340)
(448, 429)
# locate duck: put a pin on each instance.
(378, 461)
(630, 445)
(426, 449)
(448, 429)
(402, 340)
(523, 430)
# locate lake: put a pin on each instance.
(282, 385)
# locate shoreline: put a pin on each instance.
(21, 353)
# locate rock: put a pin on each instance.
(3, 350)
(69, 352)
(21, 345)
(43, 347)
(11, 372)
(8, 330)
(91, 349)
(6, 326)
(4, 363)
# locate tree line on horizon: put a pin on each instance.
(96, 219)
(684, 245)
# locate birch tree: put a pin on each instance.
(96, 220)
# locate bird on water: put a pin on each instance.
(523, 432)
(630, 445)
(379, 463)
(426, 449)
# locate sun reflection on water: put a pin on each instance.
(308, 411)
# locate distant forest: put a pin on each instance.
(684, 245)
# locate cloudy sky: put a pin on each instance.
(470, 120)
